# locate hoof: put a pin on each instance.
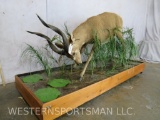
(81, 78)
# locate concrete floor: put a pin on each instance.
(135, 99)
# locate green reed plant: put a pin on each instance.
(36, 56)
(114, 52)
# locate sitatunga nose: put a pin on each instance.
(78, 61)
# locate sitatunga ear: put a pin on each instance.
(72, 38)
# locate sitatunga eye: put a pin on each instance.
(74, 53)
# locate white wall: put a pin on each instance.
(17, 16)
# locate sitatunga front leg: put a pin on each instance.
(86, 65)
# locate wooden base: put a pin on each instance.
(64, 104)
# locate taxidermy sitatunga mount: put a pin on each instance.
(103, 25)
